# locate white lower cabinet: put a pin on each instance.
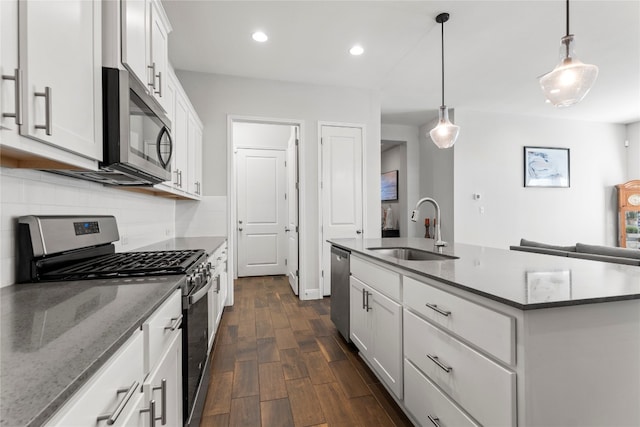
(112, 395)
(376, 329)
(164, 385)
(428, 405)
(218, 293)
(141, 381)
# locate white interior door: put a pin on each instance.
(341, 190)
(262, 216)
(292, 210)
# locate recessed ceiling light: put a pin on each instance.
(356, 50)
(259, 36)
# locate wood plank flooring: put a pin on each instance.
(278, 361)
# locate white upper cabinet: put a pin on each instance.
(195, 155)
(54, 72)
(145, 44)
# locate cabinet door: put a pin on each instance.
(180, 141)
(387, 340)
(169, 97)
(135, 27)
(212, 296)
(8, 68)
(159, 62)
(359, 318)
(60, 45)
(195, 155)
(164, 384)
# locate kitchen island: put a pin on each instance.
(56, 335)
(498, 337)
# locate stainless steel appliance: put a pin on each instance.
(137, 144)
(66, 248)
(340, 272)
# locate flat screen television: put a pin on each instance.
(389, 186)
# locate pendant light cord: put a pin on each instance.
(442, 46)
(567, 17)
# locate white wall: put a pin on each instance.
(142, 219)
(261, 135)
(409, 134)
(489, 161)
(215, 97)
(633, 151)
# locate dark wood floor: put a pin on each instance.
(279, 361)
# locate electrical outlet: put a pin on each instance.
(124, 240)
(167, 232)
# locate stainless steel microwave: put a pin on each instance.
(137, 144)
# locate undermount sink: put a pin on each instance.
(411, 254)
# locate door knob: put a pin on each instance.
(358, 231)
(286, 229)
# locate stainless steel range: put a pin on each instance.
(66, 248)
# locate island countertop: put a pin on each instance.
(520, 279)
(55, 335)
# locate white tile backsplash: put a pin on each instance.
(142, 219)
(205, 218)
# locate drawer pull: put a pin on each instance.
(434, 420)
(437, 361)
(163, 388)
(17, 78)
(434, 307)
(364, 305)
(369, 308)
(152, 413)
(47, 110)
(176, 323)
(111, 418)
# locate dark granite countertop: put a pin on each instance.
(519, 279)
(55, 335)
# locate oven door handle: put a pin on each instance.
(200, 294)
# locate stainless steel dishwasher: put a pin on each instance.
(340, 272)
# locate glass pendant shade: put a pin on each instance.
(571, 80)
(444, 135)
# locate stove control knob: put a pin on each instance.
(199, 279)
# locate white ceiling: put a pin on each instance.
(494, 50)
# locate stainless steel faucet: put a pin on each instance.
(438, 243)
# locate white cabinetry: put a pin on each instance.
(112, 395)
(58, 84)
(145, 372)
(218, 292)
(186, 163)
(376, 320)
(144, 44)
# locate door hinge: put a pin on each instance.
(297, 273)
(322, 273)
(285, 163)
(285, 196)
(297, 142)
(297, 186)
(285, 261)
(296, 228)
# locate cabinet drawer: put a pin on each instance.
(482, 387)
(379, 278)
(423, 399)
(488, 329)
(157, 329)
(100, 395)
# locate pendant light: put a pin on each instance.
(571, 80)
(444, 135)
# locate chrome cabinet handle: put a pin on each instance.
(369, 308)
(152, 413)
(218, 284)
(111, 418)
(163, 400)
(434, 420)
(17, 78)
(176, 322)
(152, 67)
(180, 172)
(47, 109)
(437, 361)
(364, 306)
(159, 91)
(177, 172)
(437, 309)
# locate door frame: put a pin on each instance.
(232, 197)
(362, 128)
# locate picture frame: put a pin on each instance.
(546, 167)
(389, 186)
(548, 286)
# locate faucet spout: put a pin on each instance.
(438, 242)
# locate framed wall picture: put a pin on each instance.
(546, 167)
(389, 186)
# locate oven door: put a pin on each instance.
(195, 352)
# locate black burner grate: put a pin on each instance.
(128, 264)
